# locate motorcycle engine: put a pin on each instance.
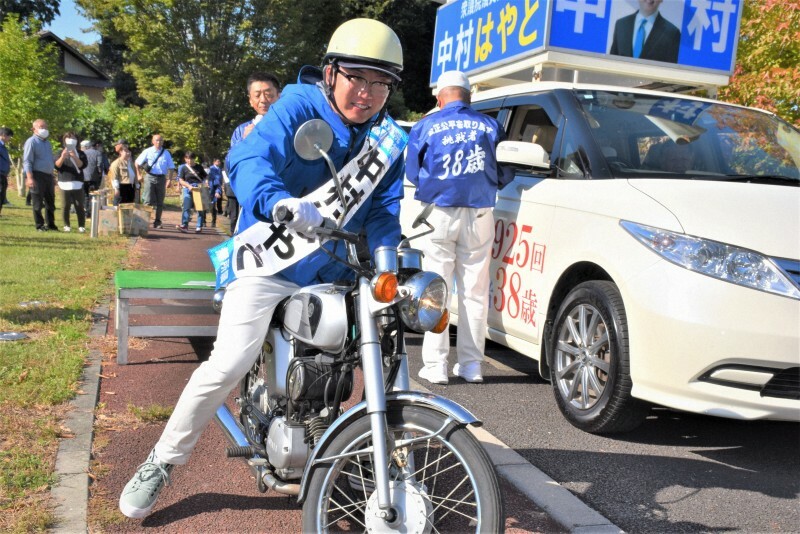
(312, 381)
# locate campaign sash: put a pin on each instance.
(265, 248)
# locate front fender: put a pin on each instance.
(440, 404)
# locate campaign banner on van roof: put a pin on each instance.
(477, 35)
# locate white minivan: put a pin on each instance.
(647, 252)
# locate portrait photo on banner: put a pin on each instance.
(646, 29)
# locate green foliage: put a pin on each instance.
(29, 85)
(44, 11)
(191, 58)
(50, 283)
(767, 73)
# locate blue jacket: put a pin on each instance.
(5, 160)
(451, 158)
(214, 180)
(265, 169)
(238, 133)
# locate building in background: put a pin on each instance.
(80, 74)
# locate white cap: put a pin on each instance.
(86, 142)
(452, 78)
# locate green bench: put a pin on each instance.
(164, 287)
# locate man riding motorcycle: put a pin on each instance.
(360, 70)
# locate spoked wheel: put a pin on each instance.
(441, 480)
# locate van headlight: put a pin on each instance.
(726, 262)
(423, 309)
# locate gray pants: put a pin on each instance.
(155, 189)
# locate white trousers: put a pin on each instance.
(461, 245)
(246, 312)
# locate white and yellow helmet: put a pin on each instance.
(366, 43)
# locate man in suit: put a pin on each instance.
(646, 35)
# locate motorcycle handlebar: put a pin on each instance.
(328, 228)
(283, 215)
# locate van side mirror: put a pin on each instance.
(522, 154)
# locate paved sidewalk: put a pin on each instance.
(213, 493)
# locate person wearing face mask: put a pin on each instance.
(122, 176)
(361, 70)
(38, 164)
(70, 180)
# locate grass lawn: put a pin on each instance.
(49, 284)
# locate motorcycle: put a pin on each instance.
(398, 460)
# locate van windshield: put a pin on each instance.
(652, 136)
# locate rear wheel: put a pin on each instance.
(590, 366)
(441, 482)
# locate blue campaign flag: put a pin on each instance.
(473, 35)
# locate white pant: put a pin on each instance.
(246, 312)
(461, 244)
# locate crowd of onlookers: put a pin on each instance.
(82, 167)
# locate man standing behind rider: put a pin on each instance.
(361, 69)
(461, 179)
(263, 89)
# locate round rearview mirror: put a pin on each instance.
(311, 138)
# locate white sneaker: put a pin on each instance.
(67, 229)
(471, 372)
(139, 495)
(435, 374)
(82, 229)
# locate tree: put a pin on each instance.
(767, 72)
(29, 83)
(45, 11)
(209, 47)
(190, 58)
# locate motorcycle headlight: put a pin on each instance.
(725, 262)
(424, 307)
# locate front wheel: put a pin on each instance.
(590, 366)
(440, 481)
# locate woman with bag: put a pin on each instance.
(191, 176)
(123, 178)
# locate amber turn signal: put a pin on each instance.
(441, 326)
(384, 287)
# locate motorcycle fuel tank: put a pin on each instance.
(317, 315)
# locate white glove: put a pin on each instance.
(306, 216)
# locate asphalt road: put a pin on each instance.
(676, 473)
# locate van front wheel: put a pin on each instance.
(590, 365)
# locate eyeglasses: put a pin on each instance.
(378, 89)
